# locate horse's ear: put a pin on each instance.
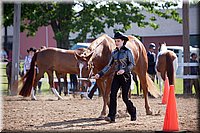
(89, 56)
(77, 56)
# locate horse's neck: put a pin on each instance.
(97, 42)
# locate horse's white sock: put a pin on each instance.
(56, 93)
(33, 97)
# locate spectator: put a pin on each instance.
(194, 70)
(27, 64)
(4, 55)
(151, 61)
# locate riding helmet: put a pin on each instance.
(152, 45)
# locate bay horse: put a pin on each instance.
(9, 74)
(166, 64)
(49, 60)
(101, 50)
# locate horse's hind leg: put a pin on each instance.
(144, 85)
(50, 75)
(33, 91)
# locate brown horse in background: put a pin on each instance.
(166, 64)
(101, 50)
(9, 74)
(59, 76)
(49, 60)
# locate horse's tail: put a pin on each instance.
(170, 68)
(29, 78)
(151, 87)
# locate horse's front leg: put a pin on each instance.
(100, 84)
(50, 75)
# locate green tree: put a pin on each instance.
(88, 17)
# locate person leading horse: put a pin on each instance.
(123, 60)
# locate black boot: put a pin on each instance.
(90, 95)
(133, 118)
(109, 119)
(94, 88)
(133, 115)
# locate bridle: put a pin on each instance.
(90, 67)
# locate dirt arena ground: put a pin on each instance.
(48, 114)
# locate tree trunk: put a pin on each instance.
(61, 37)
(186, 38)
(64, 42)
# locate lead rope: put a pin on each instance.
(91, 71)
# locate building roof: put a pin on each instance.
(168, 27)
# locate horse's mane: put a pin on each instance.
(96, 42)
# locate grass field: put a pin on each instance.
(45, 85)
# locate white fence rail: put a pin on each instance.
(187, 76)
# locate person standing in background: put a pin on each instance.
(194, 70)
(4, 55)
(27, 64)
(151, 61)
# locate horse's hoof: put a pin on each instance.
(34, 99)
(60, 98)
(73, 95)
(81, 96)
(101, 117)
(149, 112)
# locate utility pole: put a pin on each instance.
(16, 49)
(186, 44)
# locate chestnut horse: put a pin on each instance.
(49, 60)
(101, 50)
(166, 64)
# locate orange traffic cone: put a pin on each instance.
(171, 117)
(166, 91)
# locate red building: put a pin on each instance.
(169, 31)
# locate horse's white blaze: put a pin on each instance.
(81, 68)
(56, 93)
(33, 94)
(160, 81)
